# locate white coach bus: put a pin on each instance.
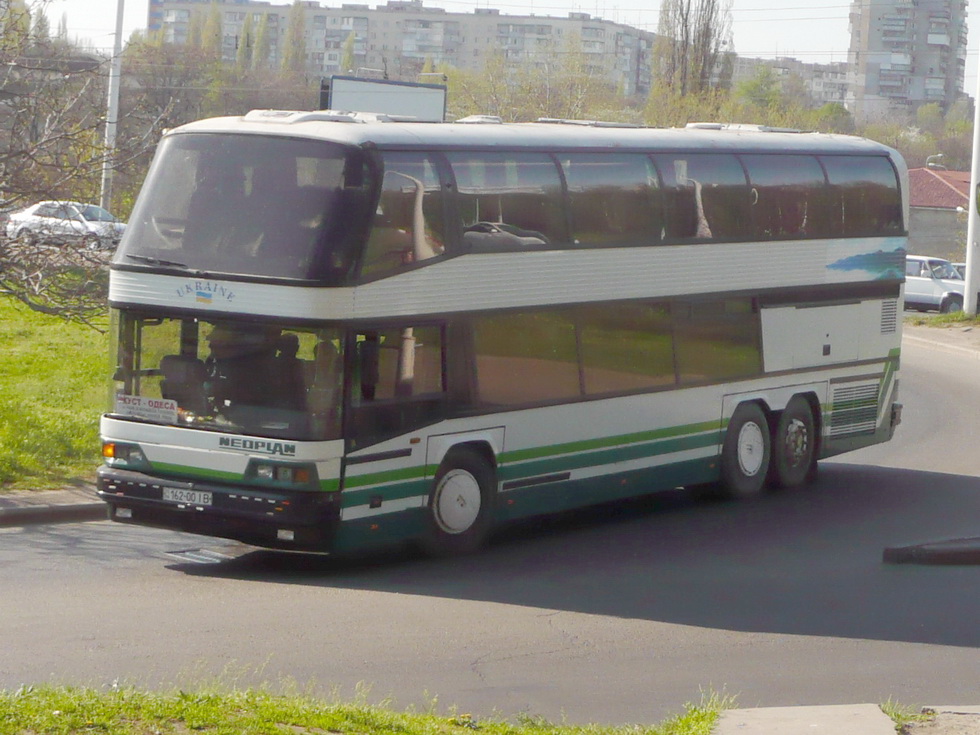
(333, 332)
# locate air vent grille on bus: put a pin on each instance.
(889, 316)
(854, 410)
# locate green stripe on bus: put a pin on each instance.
(413, 484)
(379, 478)
(521, 455)
(617, 443)
(609, 456)
(198, 472)
(203, 473)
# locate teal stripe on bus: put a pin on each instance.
(397, 491)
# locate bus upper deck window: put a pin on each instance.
(409, 221)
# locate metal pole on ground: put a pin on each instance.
(972, 258)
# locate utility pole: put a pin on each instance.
(972, 276)
(112, 111)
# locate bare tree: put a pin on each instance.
(692, 36)
(52, 117)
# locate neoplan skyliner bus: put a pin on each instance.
(333, 332)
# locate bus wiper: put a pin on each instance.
(156, 261)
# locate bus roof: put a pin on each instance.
(388, 132)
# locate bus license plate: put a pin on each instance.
(188, 497)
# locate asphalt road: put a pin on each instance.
(613, 616)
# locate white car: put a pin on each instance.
(58, 222)
(932, 283)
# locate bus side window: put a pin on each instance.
(509, 201)
(869, 199)
(399, 381)
(614, 199)
(706, 196)
(788, 196)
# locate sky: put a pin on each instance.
(814, 31)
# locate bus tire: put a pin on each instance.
(461, 502)
(745, 453)
(794, 445)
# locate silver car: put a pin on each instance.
(58, 222)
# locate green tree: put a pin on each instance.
(15, 25)
(833, 117)
(929, 118)
(761, 91)
(246, 42)
(347, 63)
(294, 51)
(211, 35)
(262, 46)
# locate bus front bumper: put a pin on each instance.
(302, 520)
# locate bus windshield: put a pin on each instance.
(266, 380)
(250, 205)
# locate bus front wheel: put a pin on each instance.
(794, 445)
(460, 504)
(745, 452)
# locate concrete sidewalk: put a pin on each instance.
(69, 505)
(840, 719)
(845, 719)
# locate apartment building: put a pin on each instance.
(905, 53)
(400, 36)
(823, 83)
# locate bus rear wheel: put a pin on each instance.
(460, 507)
(794, 445)
(745, 452)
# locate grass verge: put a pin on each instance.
(955, 319)
(52, 391)
(134, 712)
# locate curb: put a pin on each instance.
(37, 514)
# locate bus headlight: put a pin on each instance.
(118, 454)
(283, 474)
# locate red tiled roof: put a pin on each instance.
(940, 189)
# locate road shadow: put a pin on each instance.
(804, 562)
